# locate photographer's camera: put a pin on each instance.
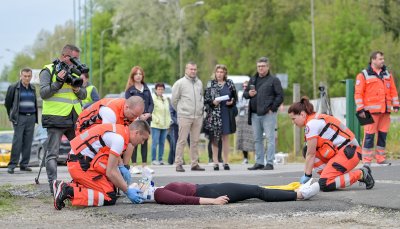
(72, 73)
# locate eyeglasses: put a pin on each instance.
(261, 66)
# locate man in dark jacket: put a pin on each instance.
(266, 95)
(22, 111)
(61, 105)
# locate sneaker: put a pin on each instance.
(55, 184)
(161, 163)
(309, 190)
(155, 163)
(197, 168)
(180, 168)
(384, 163)
(210, 162)
(147, 168)
(226, 167)
(60, 195)
(135, 170)
(367, 177)
(245, 161)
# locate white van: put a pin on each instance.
(238, 80)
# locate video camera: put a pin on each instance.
(70, 77)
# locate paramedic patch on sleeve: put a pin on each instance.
(306, 130)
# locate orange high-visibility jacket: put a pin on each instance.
(90, 116)
(374, 94)
(94, 134)
(332, 138)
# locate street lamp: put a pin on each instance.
(101, 57)
(181, 17)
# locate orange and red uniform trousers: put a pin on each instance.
(90, 183)
(375, 91)
(338, 153)
(90, 117)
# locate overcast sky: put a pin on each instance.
(22, 20)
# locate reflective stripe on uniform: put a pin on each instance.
(372, 107)
(63, 100)
(90, 197)
(101, 199)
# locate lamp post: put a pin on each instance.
(181, 12)
(101, 57)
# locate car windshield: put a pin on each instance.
(6, 137)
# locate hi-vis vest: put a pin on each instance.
(88, 99)
(332, 138)
(63, 101)
(91, 117)
(374, 94)
(96, 157)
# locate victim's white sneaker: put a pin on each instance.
(309, 190)
(148, 169)
(135, 170)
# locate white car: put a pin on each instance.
(167, 92)
(238, 81)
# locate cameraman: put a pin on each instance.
(61, 105)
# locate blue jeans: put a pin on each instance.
(264, 124)
(158, 138)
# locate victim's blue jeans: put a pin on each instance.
(158, 138)
(264, 124)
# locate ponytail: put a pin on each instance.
(303, 105)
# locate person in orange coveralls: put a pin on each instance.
(375, 92)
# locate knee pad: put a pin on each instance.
(324, 187)
(381, 139)
(369, 141)
(349, 151)
(339, 167)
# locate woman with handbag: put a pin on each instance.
(220, 102)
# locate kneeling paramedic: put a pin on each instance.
(95, 166)
(332, 150)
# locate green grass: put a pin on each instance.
(6, 199)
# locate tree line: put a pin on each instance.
(231, 32)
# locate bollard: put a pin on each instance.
(351, 119)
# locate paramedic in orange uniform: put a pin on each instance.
(375, 91)
(95, 166)
(332, 150)
(110, 110)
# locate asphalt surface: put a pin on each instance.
(385, 194)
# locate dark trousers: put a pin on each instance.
(240, 192)
(172, 138)
(143, 151)
(52, 146)
(22, 140)
(210, 153)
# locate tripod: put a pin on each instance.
(323, 102)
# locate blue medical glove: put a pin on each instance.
(134, 195)
(125, 174)
(305, 178)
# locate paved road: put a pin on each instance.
(385, 194)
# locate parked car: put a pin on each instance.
(38, 152)
(5, 147)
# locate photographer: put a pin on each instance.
(61, 91)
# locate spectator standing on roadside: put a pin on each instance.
(61, 107)
(187, 100)
(137, 87)
(91, 91)
(172, 135)
(266, 95)
(244, 132)
(22, 110)
(220, 122)
(161, 120)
